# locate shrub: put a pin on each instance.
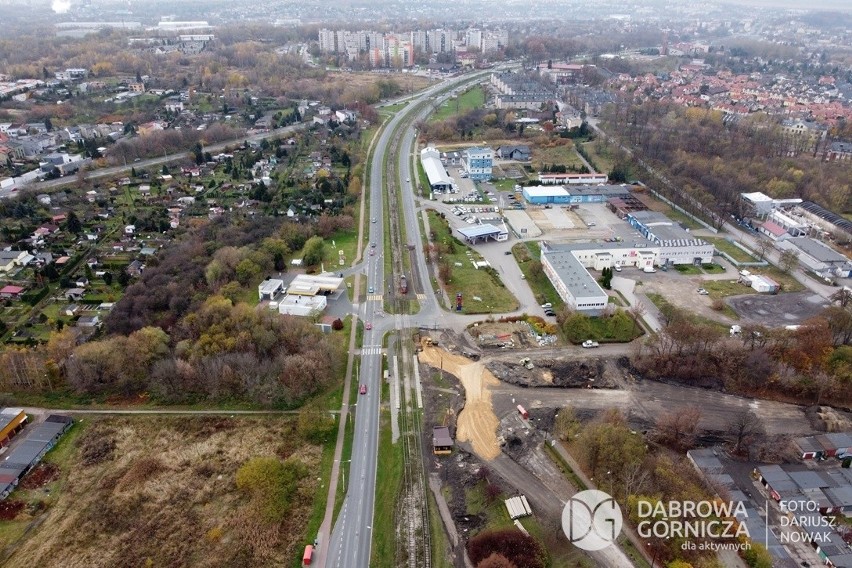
(516, 547)
(271, 485)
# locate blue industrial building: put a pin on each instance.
(543, 195)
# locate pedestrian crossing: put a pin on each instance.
(374, 298)
(371, 350)
(421, 296)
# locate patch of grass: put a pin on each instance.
(483, 283)
(566, 469)
(725, 288)
(689, 269)
(636, 558)
(601, 158)
(712, 268)
(506, 184)
(467, 101)
(561, 155)
(527, 255)
(347, 242)
(724, 245)
(440, 541)
(666, 307)
(388, 484)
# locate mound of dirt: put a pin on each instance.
(587, 373)
(10, 509)
(40, 476)
(477, 422)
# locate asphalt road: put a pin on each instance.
(351, 539)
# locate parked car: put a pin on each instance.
(703, 292)
(588, 344)
(617, 268)
(547, 305)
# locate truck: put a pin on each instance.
(588, 344)
(308, 555)
(649, 269)
(403, 284)
(523, 412)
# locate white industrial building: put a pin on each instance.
(577, 288)
(430, 158)
(270, 288)
(760, 205)
(676, 244)
(303, 306)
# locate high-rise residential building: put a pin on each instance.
(473, 38)
(328, 41)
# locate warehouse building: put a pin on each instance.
(29, 452)
(677, 245)
(542, 195)
(430, 158)
(817, 256)
(12, 421)
(577, 288)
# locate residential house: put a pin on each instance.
(839, 151)
(9, 259)
(135, 268)
(74, 294)
(516, 153)
(89, 321)
(10, 291)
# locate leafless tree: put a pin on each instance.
(745, 427)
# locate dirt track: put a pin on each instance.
(477, 423)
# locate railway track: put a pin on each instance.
(413, 543)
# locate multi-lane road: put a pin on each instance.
(351, 538)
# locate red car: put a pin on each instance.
(368, 326)
(363, 389)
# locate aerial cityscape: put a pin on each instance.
(382, 284)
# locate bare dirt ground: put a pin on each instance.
(782, 309)
(161, 491)
(558, 372)
(682, 291)
(476, 423)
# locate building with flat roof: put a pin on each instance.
(314, 285)
(478, 162)
(476, 233)
(430, 158)
(572, 281)
(677, 245)
(540, 195)
(817, 256)
(270, 288)
(572, 179)
(302, 306)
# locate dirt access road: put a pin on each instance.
(477, 423)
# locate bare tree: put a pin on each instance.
(788, 260)
(745, 427)
(763, 247)
(677, 428)
(842, 297)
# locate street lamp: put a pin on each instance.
(654, 555)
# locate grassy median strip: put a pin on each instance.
(388, 485)
(527, 255)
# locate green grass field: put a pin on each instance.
(469, 100)
(526, 255)
(565, 155)
(724, 245)
(472, 283)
